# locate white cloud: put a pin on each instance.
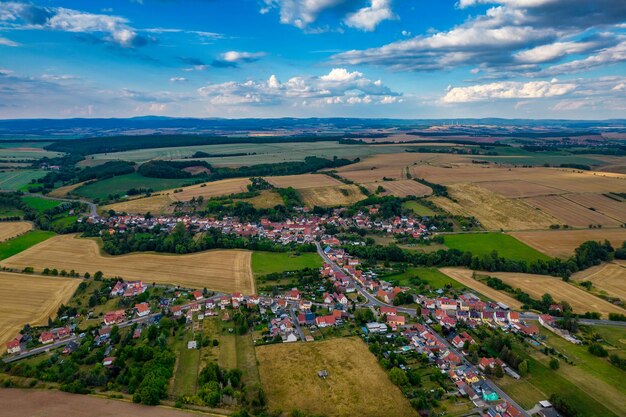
(368, 18)
(605, 57)
(178, 79)
(507, 90)
(237, 57)
(8, 42)
(553, 51)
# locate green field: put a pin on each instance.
(121, 184)
(518, 156)
(6, 211)
(264, 263)
(435, 278)
(14, 180)
(23, 242)
(265, 152)
(40, 204)
(25, 150)
(418, 209)
(187, 368)
(480, 244)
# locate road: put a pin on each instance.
(294, 319)
(590, 322)
(374, 301)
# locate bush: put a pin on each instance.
(597, 350)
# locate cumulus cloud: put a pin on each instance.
(303, 13)
(507, 90)
(339, 86)
(29, 16)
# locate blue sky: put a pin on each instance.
(313, 58)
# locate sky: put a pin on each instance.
(563, 59)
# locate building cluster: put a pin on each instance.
(397, 225)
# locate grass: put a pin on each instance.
(418, 209)
(6, 211)
(14, 180)
(23, 242)
(264, 263)
(121, 184)
(40, 204)
(435, 278)
(186, 376)
(480, 244)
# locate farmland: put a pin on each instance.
(155, 204)
(602, 204)
(570, 213)
(211, 189)
(464, 276)
(401, 188)
(9, 230)
(418, 209)
(62, 192)
(25, 150)
(14, 180)
(40, 204)
(265, 199)
(219, 270)
(481, 244)
(356, 384)
(30, 299)
(433, 276)
(121, 184)
(264, 263)
(538, 285)
(561, 243)
(299, 182)
(608, 278)
(493, 210)
(22, 242)
(334, 196)
(519, 188)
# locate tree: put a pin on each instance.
(523, 368)
(498, 372)
(98, 275)
(555, 364)
(398, 377)
(363, 315)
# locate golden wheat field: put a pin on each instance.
(607, 206)
(356, 384)
(338, 195)
(265, 199)
(211, 189)
(9, 230)
(561, 243)
(493, 210)
(569, 213)
(219, 270)
(155, 204)
(400, 188)
(610, 278)
(299, 182)
(464, 276)
(62, 192)
(538, 285)
(30, 299)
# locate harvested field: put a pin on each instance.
(22, 402)
(303, 181)
(218, 270)
(464, 276)
(266, 199)
(341, 195)
(401, 188)
(519, 188)
(493, 210)
(607, 206)
(610, 278)
(570, 213)
(211, 189)
(538, 285)
(356, 384)
(62, 192)
(30, 299)
(561, 243)
(9, 230)
(155, 204)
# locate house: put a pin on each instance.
(374, 327)
(46, 337)
(108, 362)
(546, 320)
(61, 332)
(389, 311)
(293, 295)
(113, 317)
(118, 289)
(142, 309)
(485, 363)
(327, 298)
(325, 321)
(177, 311)
(237, 296)
(14, 346)
(341, 298)
(395, 321)
(197, 295)
(290, 338)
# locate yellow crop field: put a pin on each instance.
(561, 243)
(519, 188)
(493, 210)
(570, 213)
(62, 192)
(211, 189)
(401, 188)
(303, 181)
(610, 278)
(9, 230)
(155, 204)
(356, 384)
(219, 270)
(30, 299)
(265, 199)
(607, 206)
(339, 195)
(464, 276)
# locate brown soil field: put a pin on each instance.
(464, 276)
(356, 384)
(340, 195)
(9, 230)
(30, 299)
(218, 270)
(300, 182)
(211, 189)
(568, 212)
(610, 278)
(401, 188)
(62, 192)
(49, 403)
(493, 210)
(266, 199)
(561, 243)
(518, 188)
(197, 170)
(607, 206)
(155, 204)
(538, 285)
